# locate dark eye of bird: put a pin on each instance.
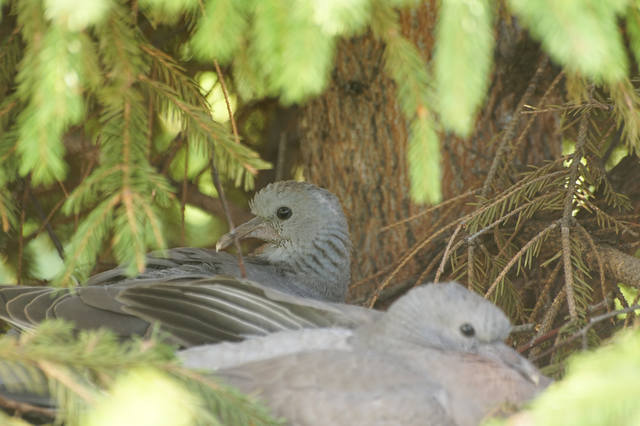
(283, 213)
(467, 329)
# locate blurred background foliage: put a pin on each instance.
(112, 112)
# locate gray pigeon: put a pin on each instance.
(306, 257)
(436, 357)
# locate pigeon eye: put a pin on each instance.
(467, 330)
(283, 213)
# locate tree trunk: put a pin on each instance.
(355, 140)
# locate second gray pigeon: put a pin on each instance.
(436, 357)
(306, 257)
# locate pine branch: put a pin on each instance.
(567, 217)
(80, 372)
(533, 244)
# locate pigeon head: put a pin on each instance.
(449, 317)
(303, 227)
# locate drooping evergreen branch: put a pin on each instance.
(508, 133)
(567, 216)
(533, 244)
(77, 372)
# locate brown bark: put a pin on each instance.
(355, 144)
(355, 140)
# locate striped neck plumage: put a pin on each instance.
(322, 262)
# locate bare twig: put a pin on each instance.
(445, 256)
(430, 209)
(536, 341)
(508, 215)
(546, 288)
(225, 206)
(527, 126)
(183, 198)
(598, 257)
(23, 213)
(234, 127)
(416, 248)
(471, 250)
(427, 270)
(582, 333)
(216, 177)
(592, 321)
(567, 217)
(624, 267)
(518, 255)
(45, 223)
(511, 127)
(523, 328)
(21, 408)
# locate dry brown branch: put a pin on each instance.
(414, 250)
(511, 127)
(216, 177)
(546, 288)
(23, 408)
(596, 254)
(529, 123)
(445, 256)
(623, 267)
(518, 255)
(429, 210)
(567, 217)
(471, 249)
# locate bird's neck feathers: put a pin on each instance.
(323, 261)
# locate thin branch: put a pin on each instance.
(21, 408)
(445, 256)
(624, 267)
(368, 278)
(46, 224)
(515, 258)
(529, 122)
(546, 288)
(536, 341)
(523, 328)
(593, 321)
(550, 316)
(183, 197)
(216, 177)
(511, 127)
(567, 217)
(429, 210)
(471, 250)
(410, 256)
(598, 257)
(427, 270)
(23, 213)
(225, 207)
(46, 221)
(507, 216)
(582, 333)
(207, 203)
(226, 101)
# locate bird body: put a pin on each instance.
(436, 357)
(198, 296)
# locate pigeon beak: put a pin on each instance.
(507, 355)
(257, 227)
